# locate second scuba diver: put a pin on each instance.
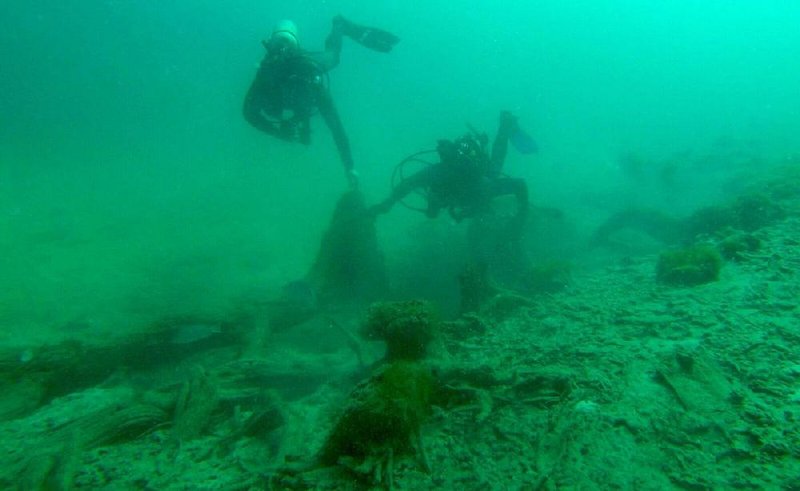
(467, 178)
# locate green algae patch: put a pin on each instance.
(689, 266)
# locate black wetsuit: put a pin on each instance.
(288, 90)
(464, 186)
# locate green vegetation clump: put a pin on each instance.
(382, 418)
(690, 266)
(406, 327)
(710, 219)
(748, 212)
(754, 211)
(735, 246)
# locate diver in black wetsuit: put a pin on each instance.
(466, 179)
(290, 85)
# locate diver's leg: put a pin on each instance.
(500, 146)
(511, 259)
(333, 43)
(509, 185)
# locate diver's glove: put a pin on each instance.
(352, 179)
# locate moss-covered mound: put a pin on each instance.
(736, 245)
(748, 212)
(689, 266)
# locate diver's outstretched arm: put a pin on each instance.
(331, 116)
(421, 179)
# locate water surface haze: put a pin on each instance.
(131, 187)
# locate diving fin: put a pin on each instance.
(376, 39)
(522, 141)
(369, 37)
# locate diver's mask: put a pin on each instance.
(280, 47)
(468, 149)
(283, 41)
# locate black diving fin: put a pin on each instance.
(369, 37)
(522, 141)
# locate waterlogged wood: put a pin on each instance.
(33, 376)
(53, 463)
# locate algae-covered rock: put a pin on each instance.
(689, 266)
(406, 327)
(382, 418)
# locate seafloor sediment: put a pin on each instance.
(616, 382)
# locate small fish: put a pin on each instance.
(191, 333)
(26, 356)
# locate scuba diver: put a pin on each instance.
(465, 181)
(467, 177)
(291, 85)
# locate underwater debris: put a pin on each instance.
(406, 327)
(42, 373)
(264, 419)
(689, 266)
(52, 462)
(196, 403)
